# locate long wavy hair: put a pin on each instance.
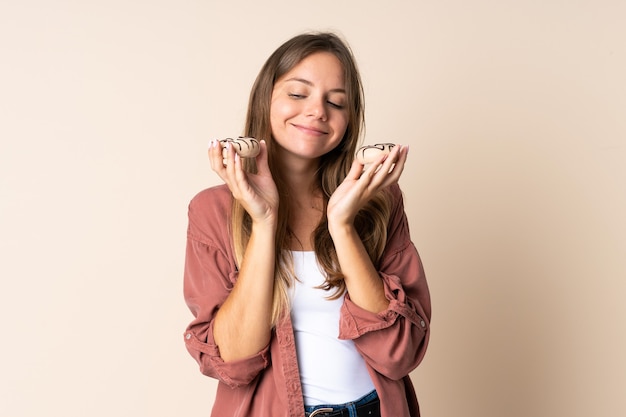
(371, 222)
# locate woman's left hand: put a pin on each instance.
(360, 186)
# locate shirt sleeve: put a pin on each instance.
(209, 276)
(394, 341)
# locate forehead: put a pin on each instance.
(321, 69)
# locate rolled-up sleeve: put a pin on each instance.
(393, 342)
(209, 276)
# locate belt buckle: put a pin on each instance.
(320, 411)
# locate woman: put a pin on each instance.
(310, 299)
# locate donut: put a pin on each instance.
(367, 154)
(244, 146)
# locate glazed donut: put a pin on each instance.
(367, 154)
(244, 146)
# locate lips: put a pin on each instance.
(311, 130)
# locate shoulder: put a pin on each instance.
(398, 228)
(209, 214)
(395, 197)
(214, 198)
(395, 194)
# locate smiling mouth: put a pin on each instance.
(312, 130)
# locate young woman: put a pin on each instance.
(308, 295)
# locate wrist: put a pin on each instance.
(268, 225)
(341, 230)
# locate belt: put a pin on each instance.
(369, 409)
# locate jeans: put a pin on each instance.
(350, 407)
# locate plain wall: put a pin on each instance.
(515, 191)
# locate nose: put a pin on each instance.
(317, 109)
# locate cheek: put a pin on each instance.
(279, 111)
(280, 114)
(342, 124)
(276, 112)
(274, 116)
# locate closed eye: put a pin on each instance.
(335, 105)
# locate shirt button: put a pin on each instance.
(188, 336)
(423, 323)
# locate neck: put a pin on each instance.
(304, 199)
(300, 177)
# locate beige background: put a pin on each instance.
(516, 191)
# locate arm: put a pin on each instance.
(393, 341)
(386, 312)
(243, 323)
(362, 280)
(218, 294)
(209, 277)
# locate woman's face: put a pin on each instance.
(308, 112)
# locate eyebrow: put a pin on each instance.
(309, 83)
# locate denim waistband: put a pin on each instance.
(336, 408)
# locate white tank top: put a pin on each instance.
(331, 370)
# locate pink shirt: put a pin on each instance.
(392, 342)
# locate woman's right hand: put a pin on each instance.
(257, 193)
(252, 293)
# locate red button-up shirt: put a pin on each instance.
(266, 384)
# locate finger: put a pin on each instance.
(228, 154)
(392, 159)
(402, 157)
(215, 158)
(398, 167)
(390, 168)
(356, 170)
(240, 175)
(240, 187)
(373, 168)
(262, 162)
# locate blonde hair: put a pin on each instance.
(371, 221)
